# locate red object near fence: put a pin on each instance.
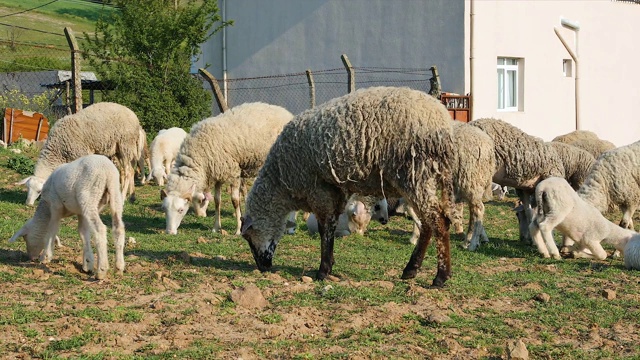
(26, 124)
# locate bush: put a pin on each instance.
(22, 164)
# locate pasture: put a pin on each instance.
(175, 297)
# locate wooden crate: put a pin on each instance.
(26, 124)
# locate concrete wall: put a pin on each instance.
(609, 76)
(289, 36)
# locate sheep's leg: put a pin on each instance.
(594, 246)
(217, 199)
(538, 240)
(117, 231)
(327, 228)
(100, 233)
(84, 229)
(567, 244)
(547, 234)
(235, 200)
(417, 225)
(423, 238)
(476, 231)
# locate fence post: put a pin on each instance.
(75, 70)
(352, 78)
(436, 88)
(312, 89)
(217, 94)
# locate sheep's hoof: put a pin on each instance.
(557, 256)
(409, 274)
(616, 254)
(321, 275)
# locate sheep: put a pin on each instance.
(82, 187)
(614, 180)
(374, 141)
(557, 205)
(103, 128)
(576, 162)
(522, 160)
(356, 215)
(473, 169)
(586, 140)
(498, 191)
(163, 151)
(632, 253)
(218, 150)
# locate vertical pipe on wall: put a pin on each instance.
(224, 50)
(471, 60)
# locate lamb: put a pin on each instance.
(375, 141)
(163, 152)
(586, 140)
(632, 253)
(82, 187)
(219, 150)
(103, 128)
(557, 205)
(522, 160)
(356, 216)
(473, 169)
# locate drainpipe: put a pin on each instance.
(575, 27)
(224, 51)
(471, 59)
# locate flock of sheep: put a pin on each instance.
(344, 163)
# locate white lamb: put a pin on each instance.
(163, 151)
(356, 216)
(558, 206)
(82, 187)
(632, 253)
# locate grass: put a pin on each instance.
(173, 300)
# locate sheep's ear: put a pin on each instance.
(247, 223)
(24, 230)
(23, 181)
(163, 194)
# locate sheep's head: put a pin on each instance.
(34, 245)
(201, 202)
(262, 243)
(380, 211)
(175, 206)
(34, 188)
(359, 217)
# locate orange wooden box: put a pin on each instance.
(26, 124)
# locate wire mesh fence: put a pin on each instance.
(35, 75)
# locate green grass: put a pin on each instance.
(173, 300)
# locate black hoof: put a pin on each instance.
(409, 274)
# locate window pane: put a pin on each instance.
(500, 89)
(511, 88)
(500, 61)
(512, 61)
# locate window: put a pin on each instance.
(567, 67)
(508, 84)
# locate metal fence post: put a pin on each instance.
(75, 70)
(217, 94)
(312, 89)
(352, 78)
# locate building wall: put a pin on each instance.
(609, 76)
(289, 36)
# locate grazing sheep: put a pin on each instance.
(632, 253)
(473, 169)
(499, 191)
(103, 128)
(356, 216)
(576, 162)
(82, 187)
(558, 206)
(614, 180)
(375, 141)
(219, 150)
(586, 140)
(163, 152)
(522, 161)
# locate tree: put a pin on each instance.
(144, 49)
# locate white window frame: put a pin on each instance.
(503, 89)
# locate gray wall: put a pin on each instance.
(288, 36)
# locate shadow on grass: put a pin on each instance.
(14, 196)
